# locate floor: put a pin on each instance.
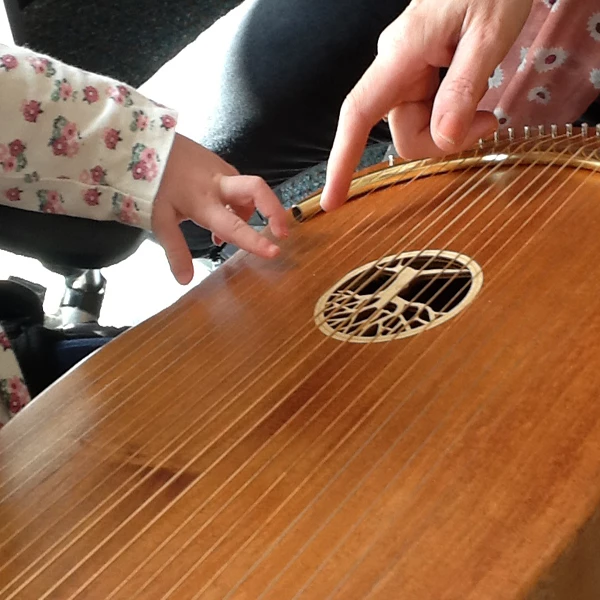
(137, 288)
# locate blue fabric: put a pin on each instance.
(70, 352)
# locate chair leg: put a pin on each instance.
(81, 301)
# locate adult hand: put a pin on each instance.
(426, 118)
(199, 186)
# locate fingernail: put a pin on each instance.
(324, 197)
(325, 204)
(183, 277)
(448, 128)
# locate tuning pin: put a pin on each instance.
(390, 160)
(541, 130)
(584, 129)
(527, 132)
(569, 129)
(511, 134)
(554, 130)
(496, 136)
(598, 130)
(481, 143)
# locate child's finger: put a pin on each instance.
(166, 229)
(227, 226)
(244, 210)
(244, 189)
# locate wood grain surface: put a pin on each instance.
(228, 449)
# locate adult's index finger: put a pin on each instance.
(371, 99)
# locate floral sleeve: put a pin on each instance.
(76, 143)
(13, 391)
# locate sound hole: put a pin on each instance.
(398, 296)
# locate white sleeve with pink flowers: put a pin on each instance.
(76, 143)
(14, 394)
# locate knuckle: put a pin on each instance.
(237, 225)
(485, 40)
(482, 37)
(390, 39)
(257, 184)
(386, 40)
(410, 24)
(462, 88)
(353, 107)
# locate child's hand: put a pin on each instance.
(198, 186)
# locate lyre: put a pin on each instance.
(234, 447)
